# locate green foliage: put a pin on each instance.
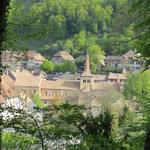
(133, 86)
(146, 83)
(75, 123)
(47, 22)
(14, 140)
(142, 28)
(38, 101)
(47, 66)
(131, 130)
(67, 66)
(138, 85)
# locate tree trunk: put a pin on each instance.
(3, 9)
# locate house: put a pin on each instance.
(33, 55)
(113, 60)
(33, 60)
(62, 56)
(8, 60)
(128, 61)
(22, 60)
(117, 77)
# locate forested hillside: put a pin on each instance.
(100, 26)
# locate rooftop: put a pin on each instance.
(32, 54)
(117, 76)
(60, 84)
(64, 55)
(111, 57)
(27, 79)
(130, 54)
(87, 71)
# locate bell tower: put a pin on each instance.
(86, 80)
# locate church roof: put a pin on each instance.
(60, 84)
(87, 71)
(27, 79)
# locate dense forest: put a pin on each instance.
(100, 26)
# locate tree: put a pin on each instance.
(4, 9)
(47, 22)
(142, 28)
(96, 57)
(47, 66)
(139, 85)
(146, 83)
(69, 66)
(38, 102)
(133, 86)
(15, 140)
(65, 123)
(66, 66)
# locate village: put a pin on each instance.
(23, 77)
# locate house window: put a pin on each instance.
(96, 81)
(45, 92)
(84, 81)
(88, 81)
(55, 93)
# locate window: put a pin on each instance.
(88, 81)
(84, 81)
(45, 92)
(96, 81)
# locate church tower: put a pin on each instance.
(86, 80)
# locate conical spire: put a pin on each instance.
(87, 70)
